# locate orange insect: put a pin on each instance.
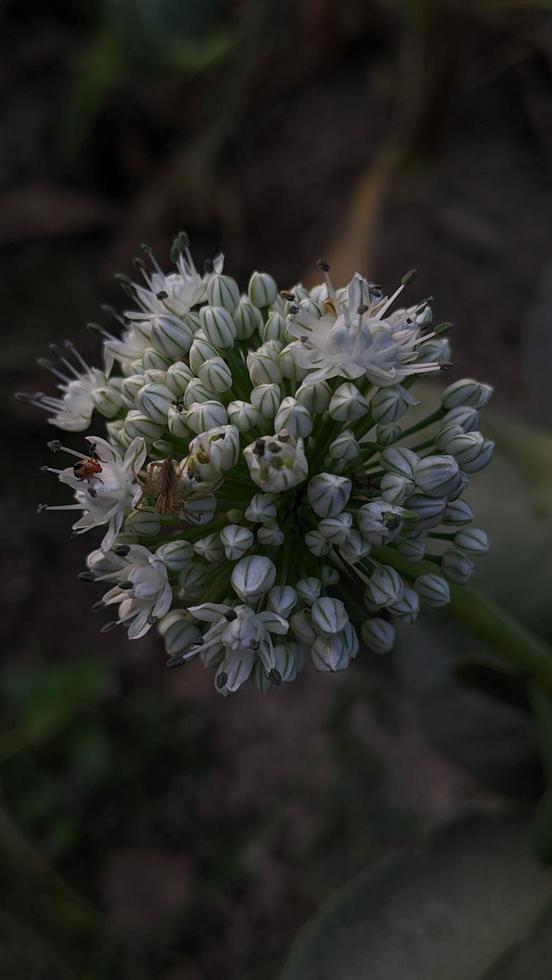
(85, 469)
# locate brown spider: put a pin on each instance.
(171, 495)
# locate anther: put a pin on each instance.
(230, 616)
(446, 366)
(41, 508)
(275, 676)
(126, 585)
(122, 550)
(208, 268)
(107, 627)
(323, 265)
(162, 294)
(294, 309)
(54, 445)
(221, 680)
(138, 264)
(152, 620)
(408, 277)
(96, 606)
(254, 644)
(86, 577)
(362, 309)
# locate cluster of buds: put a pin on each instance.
(262, 499)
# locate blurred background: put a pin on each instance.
(148, 827)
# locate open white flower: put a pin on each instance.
(144, 595)
(72, 409)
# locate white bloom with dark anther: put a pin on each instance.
(437, 476)
(261, 509)
(266, 399)
(308, 588)
(145, 595)
(390, 404)
(247, 319)
(473, 540)
(385, 586)
(328, 494)
(347, 403)
(288, 660)
(72, 409)
(262, 290)
(218, 326)
(433, 589)
(466, 392)
(236, 540)
(293, 417)
(109, 495)
(378, 634)
(276, 463)
(252, 577)
(457, 566)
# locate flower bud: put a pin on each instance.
(408, 607)
(244, 416)
(437, 476)
(355, 548)
(263, 366)
(386, 435)
(347, 403)
(337, 529)
(171, 335)
(345, 447)
(400, 461)
(178, 632)
(390, 404)
(470, 449)
(433, 589)
(130, 387)
(116, 433)
(201, 351)
(137, 424)
(289, 362)
(178, 377)
(247, 319)
(145, 523)
(266, 399)
(270, 536)
(466, 392)
(457, 512)
(380, 522)
(308, 589)
(302, 628)
(176, 555)
(177, 425)
(414, 550)
(218, 326)
(457, 567)
(281, 600)
(196, 392)
(473, 540)
(328, 494)
(329, 575)
(154, 400)
(223, 291)
(317, 544)
(315, 397)
(425, 512)
(277, 462)
(202, 416)
(108, 401)
(293, 417)
(378, 635)
(385, 586)
(252, 577)
(201, 510)
(191, 581)
(236, 541)
(395, 488)
(153, 376)
(464, 416)
(274, 328)
(216, 375)
(330, 652)
(209, 548)
(155, 360)
(260, 509)
(329, 615)
(262, 290)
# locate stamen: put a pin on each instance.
(69, 345)
(43, 362)
(324, 267)
(97, 328)
(107, 627)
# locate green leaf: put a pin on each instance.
(451, 913)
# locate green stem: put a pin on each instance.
(511, 640)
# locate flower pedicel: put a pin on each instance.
(257, 481)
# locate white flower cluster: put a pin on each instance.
(261, 497)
